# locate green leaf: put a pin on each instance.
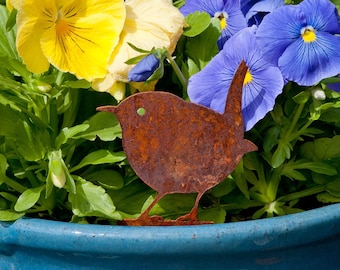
(223, 188)
(137, 49)
(103, 125)
(8, 121)
(78, 84)
(327, 198)
(281, 154)
(320, 167)
(192, 68)
(130, 199)
(179, 3)
(332, 79)
(271, 138)
(290, 169)
(11, 20)
(7, 38)
(109, 179)
(240, 179)
(173, 205)
(92, 200)
(293, 174)
(321, 149)
(31, 142)
(202, 48)
(28, 199)
(99, 157)
(333, 188)
(7, 215)
(158, 73)
(197, 23)
(331, 115)
(3, 204)
(259, 213)
(215, 214)
(69, 133)
(3, 168)
(135, 60)
(302, 97)
(9, 197)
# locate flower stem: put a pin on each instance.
(238, 206)
(59, 78)
(53, 120)
(29, 174)
(305, 126)
(303, 193)
(295, 119)
(178, 71)
(14, 184)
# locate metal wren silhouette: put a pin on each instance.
(176, 146)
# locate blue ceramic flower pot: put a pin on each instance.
(308, 240)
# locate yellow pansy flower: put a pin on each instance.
(10, 4)
(149, 24)
(76, 36)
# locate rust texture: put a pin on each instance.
(176, 146)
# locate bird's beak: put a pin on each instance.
(110, 109)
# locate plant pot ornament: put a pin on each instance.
(176, 146)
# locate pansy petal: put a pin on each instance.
(210, 86)
(334, 86)
(28, 45)
(83, 47)
(209, 6)
(266, 84)
(211, 81)
(144, 69)
(321, 14)
(264, 6)
(13, 4)
(246, 5)
(315, 60)
(229, 13)
(278, 30)
(234, 23)
(146, 27)
(259, 96)
(32, 20)
(75, 36)
(78, 52)
(111, 86)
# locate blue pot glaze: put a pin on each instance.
(308, 240)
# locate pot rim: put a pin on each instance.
(244, 236)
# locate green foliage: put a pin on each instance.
(201, 47)
(61, 159)
(92, 200)
(46, 155)
(197, 23)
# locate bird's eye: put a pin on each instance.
(141, 111)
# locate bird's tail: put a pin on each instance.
(234, 98)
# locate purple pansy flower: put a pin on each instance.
(262, 84)
(258, 10)
(301, 40)
(228, 11)
(334, 86)
(144, 69)
(247, 4)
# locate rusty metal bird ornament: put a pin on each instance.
(176, 146)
